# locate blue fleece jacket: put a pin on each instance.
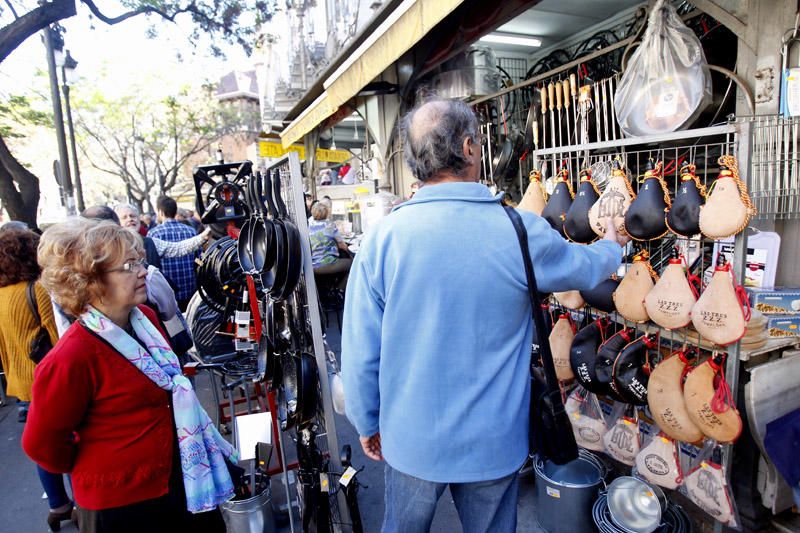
(437, 330)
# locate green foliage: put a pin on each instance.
(16, 114)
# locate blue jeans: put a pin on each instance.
(482, 506)
(53, 485)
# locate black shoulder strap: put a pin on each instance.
(31, 296)
(536, 304)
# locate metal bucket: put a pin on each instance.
(565, 494)
(253, 515)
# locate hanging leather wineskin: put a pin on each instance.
(559, 202)
(583, 352)
(601, 297)
(560, 343)
(576, 225)
(613, 203)
(722, 311)
(684, 215)
(670, 301)
(604, 364)
(535, 196)
(709, 401)
(629, 296)
(631, 370)
(665, 397)
(570, 299)
(644, 220)
(728, 207)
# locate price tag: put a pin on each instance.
(324, 486)
(348, 475)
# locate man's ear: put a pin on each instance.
(468, 146)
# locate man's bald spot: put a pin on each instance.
(426, 118)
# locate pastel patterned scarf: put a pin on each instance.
(202, 448)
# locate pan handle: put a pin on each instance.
(282, 212)
(267, 187)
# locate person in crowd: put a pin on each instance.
(111, 406)
(437, 330)
(326, 177)
(347, 174)
(326, 242)
(156, 249)
(149, 221)
(309, 202)
(14, 225)
(18, 270)
(180, 270)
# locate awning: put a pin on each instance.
(409, 23)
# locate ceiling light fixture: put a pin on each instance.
(505, 38)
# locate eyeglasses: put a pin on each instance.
(130, 266)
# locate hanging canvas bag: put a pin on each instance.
(631, 370)
(728, 207)
(669, 303)
(658, 463)
(535, 196)
(560, 343)
(723, 310)
(583, 352)
(709, 401)
(634, 287)
(684, 215)
(665, 397)
(666, 83)
(576, 225)
(707, 487)
(586, 419)
(555, 212)
(622, 440)
(613, 203)
(645, 219)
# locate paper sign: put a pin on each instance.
(347, 476)
(250, 430)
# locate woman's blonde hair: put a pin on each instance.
(75, 256)
(320, 211)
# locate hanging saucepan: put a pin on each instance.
(279, 270)
(295, 248)
(502, 160)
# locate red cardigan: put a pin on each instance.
(97, 417)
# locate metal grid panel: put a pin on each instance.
(775, 170)
(516, 67)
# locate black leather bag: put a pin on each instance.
(40, 344)
(550, 429)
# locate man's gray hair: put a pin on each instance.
(436, 145)
(131, 207)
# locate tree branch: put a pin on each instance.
(191, 8)
(15, 33)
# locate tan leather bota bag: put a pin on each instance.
(712, 408)
(722, 312)
(560, 343)
(613, 203)
(634, 287)
(535, 197)
(728, 207)
(570, 299)
(666, 401)
(670, 302)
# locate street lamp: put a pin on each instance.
(69, 77)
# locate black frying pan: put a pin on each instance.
(243, 248)
(262, 236)
(280, 268)
(294, 246)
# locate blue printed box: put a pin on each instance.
(779, 301)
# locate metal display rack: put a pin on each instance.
(291, 186)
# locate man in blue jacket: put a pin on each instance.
(437, 330)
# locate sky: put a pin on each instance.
(110, 59)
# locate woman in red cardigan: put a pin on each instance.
(110, 406)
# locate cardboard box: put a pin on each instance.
(779, 301)
(784, 326)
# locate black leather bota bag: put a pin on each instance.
(644, 220)
(604, 365)
(601, 297)
(550, 429)
(576, 224)
(558, 203)
(684, 215)
(632, 369)
(583, 353)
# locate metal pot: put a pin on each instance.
(253, 515)
(565, 493)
